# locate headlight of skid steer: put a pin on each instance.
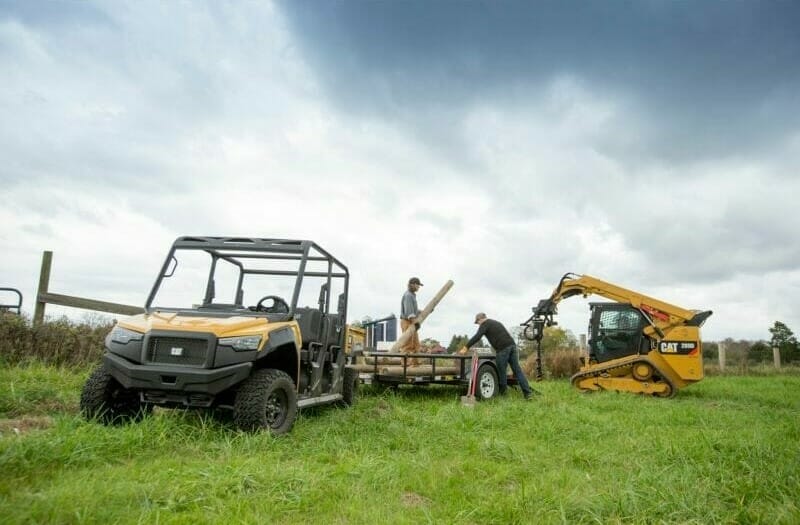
(124, 336)
(243, 343)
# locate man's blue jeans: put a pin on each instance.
(510, 356)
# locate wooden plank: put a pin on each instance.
(422, 370)
(405, 336)
(89, 304)
(384, 360)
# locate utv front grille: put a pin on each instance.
(177, 351)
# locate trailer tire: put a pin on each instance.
(487, 386)
(266, 400)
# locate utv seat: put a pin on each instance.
(308, 319)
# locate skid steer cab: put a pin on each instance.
(252, 326)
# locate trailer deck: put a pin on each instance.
(395, 369)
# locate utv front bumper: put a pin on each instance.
(168, 378)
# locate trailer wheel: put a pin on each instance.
(487, 386)
(104, 399)
(350, 386)
(266, 400)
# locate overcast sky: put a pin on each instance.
(653, 144)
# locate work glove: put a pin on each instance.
(463, 350)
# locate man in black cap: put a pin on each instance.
(506, 350)
(409, 311)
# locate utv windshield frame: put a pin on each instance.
(238, 250)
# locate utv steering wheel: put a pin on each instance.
(279, 305)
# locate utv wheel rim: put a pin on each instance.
(277, 406)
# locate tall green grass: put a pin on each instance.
(726, 450)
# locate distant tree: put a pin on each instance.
(456, 342)
(760, 352)
(736, 351)
(525, 346)
(785, 340)
(557, 338)
(710, 351)
(429, 342)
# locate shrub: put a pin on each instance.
(555, 364)
(58, 342)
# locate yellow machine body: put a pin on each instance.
(637, 343)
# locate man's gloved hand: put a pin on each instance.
(417, 325)
(463, 350)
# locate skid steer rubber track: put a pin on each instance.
(637, 374)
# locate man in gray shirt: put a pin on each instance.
(409, 311)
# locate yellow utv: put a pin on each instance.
(636, 343)
(223, 328)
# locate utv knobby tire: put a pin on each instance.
(104, 399)
(488, 384)
(266, 400)
(350, 386)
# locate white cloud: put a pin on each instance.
(185, 119)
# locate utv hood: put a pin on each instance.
(219, 326)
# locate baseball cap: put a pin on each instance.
(415, 280)
(479, 316)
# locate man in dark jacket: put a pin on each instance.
(506, 350)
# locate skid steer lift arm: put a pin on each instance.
(659, 314)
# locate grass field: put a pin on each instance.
(726, 450)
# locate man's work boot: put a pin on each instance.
(532, 393)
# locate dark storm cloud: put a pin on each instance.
(708, 77)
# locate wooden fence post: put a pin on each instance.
(44, 296)
(584, 356)
(721, 351)
(44, 283)
(776, 356)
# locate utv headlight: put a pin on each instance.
(243, 343)
(124, 336)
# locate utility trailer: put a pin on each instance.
(393, 369)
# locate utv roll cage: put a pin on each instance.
(239, 250)
(15, 307)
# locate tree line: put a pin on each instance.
(782, 337)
